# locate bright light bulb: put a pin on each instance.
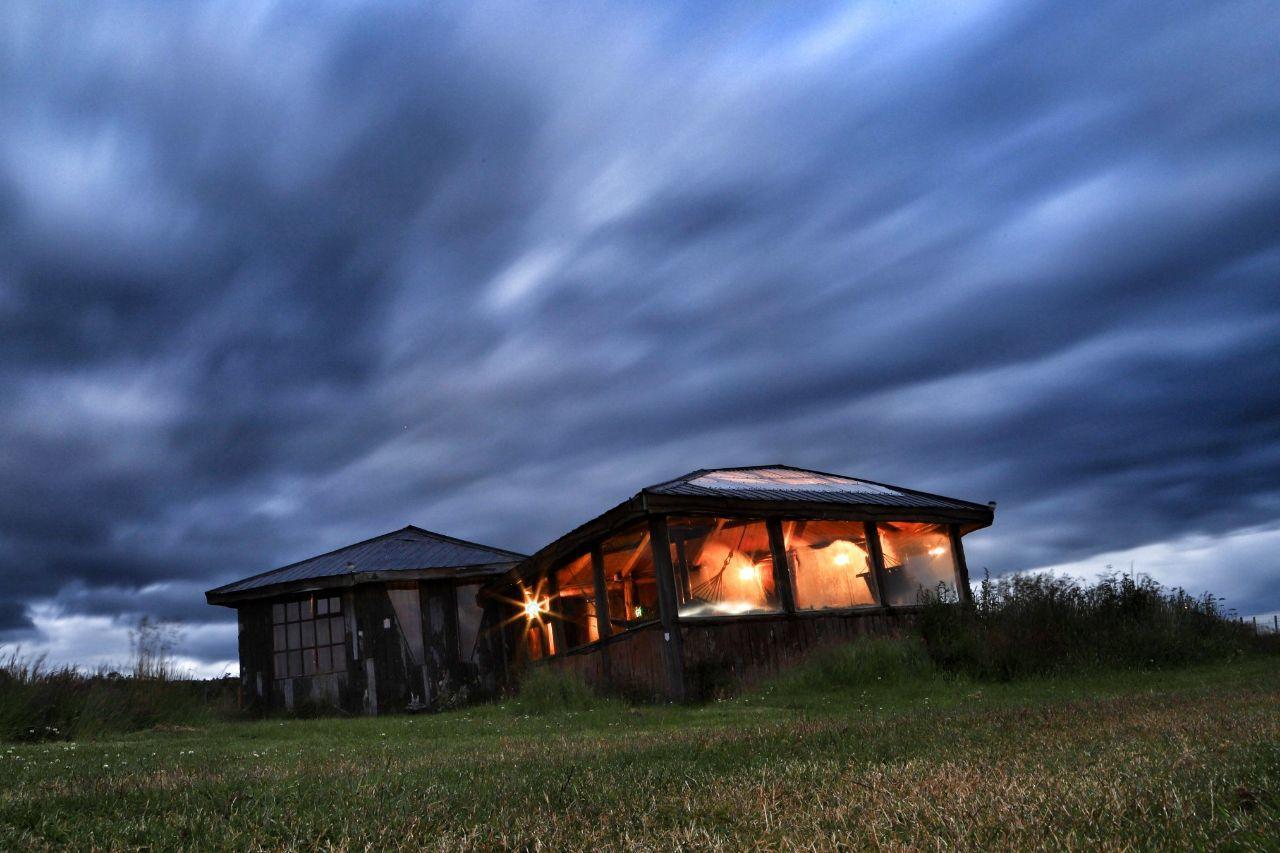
(748, 573)
(937, 551)
(639, 611)
(841, 559)
(532, 608)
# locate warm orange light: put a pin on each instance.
(841, 559)
(937, 551)
(533, 608)
(749, 573)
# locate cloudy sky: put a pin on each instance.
(277, 277)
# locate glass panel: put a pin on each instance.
(291, 609)
(324, 660)
(277, 613)
(281, 665)
(322, 607)
(336, 632)
(575, 603)
(295, 664)
(278, 640)
(335, 605)
(322, 632)
(917, 557)
(830, 565)
(629, 578)
(309, 662)
(339, 658)
(470, 615)
(723, 566)
(308, 633)
(294, 636)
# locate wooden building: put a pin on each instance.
(388, 624)
(722, 574)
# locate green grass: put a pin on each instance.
(823, 758)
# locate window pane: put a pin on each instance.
(278, 641)
(629, 578)
(830, 565)
(324, 660)
(281, 665)
(309, 662)
(335, 605)
(917, 557)
(339, 655)
(575, 603)
(470, 614)
(723, 566)
(336, 632)
(294, 635)
(292, 610)
(322, 607)
(295, 664)
(308, 633)
(277, 613)
(322, 632)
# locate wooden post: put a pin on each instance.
(781, 568)
(553, 614)
(962, 567)
(603, 625)
(668, 607)
(877, 562)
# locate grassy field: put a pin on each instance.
(899, 757)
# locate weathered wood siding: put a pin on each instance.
(721, 654)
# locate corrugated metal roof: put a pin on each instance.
(784, 483)
(401, 550)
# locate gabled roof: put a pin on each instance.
(785, 483)
(408, 549)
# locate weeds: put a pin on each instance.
(39, 703)
(1034, 624)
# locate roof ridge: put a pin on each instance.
(454, 539)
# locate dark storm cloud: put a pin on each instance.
(275, 279)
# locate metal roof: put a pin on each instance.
(410, 548)
(784, 483)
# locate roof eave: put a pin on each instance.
(230, 598)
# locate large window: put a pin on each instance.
(631, 584)
(575, 603)
(830, 564)
(917, 557)
(309, 637)
(722, 566)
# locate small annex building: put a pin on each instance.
(686, 587)
(388, 624)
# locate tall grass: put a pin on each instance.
(40, 702)
(1038, 624)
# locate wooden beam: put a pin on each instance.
(668, 607)
(962, 567)
(877, 562)
(781, 566)
(603, 626)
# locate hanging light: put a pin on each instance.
(749, 572)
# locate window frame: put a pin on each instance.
(302, 618)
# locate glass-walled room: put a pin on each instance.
(728, 566)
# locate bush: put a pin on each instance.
(545, 690)
(1032, 624)
(41, 703)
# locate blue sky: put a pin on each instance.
(275, 277)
